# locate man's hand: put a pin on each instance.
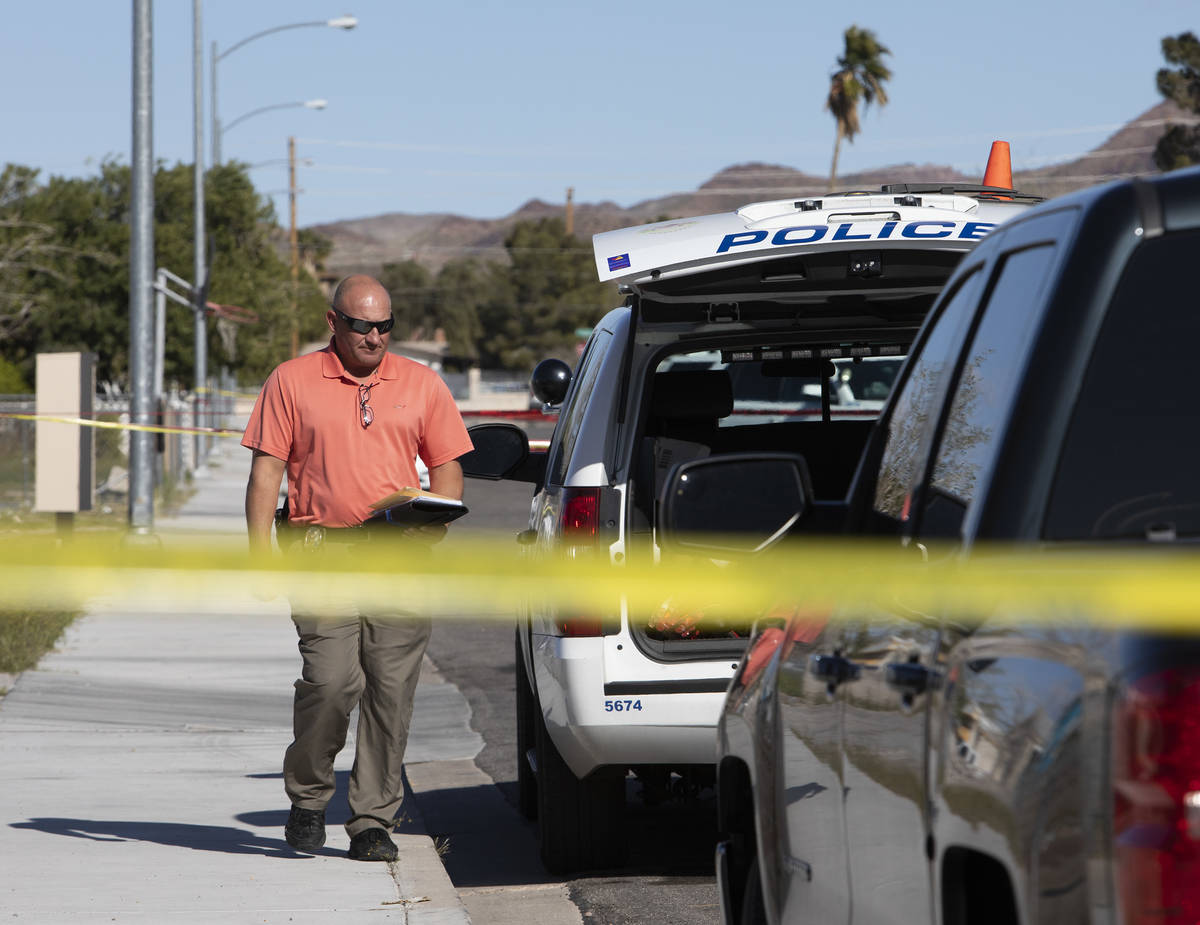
(428, 535)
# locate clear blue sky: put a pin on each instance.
(476, 107)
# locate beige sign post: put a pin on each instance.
(66, 452)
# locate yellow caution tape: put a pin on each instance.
(474, 578)
(119, 425)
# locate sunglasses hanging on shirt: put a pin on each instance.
(364, 393)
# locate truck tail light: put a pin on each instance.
(579, 529)
(1156, 798)
(580, 515)
(576, 627)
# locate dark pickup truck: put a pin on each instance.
(964, 768)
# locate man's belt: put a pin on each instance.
(314, 536)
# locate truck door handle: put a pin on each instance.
(833, 669)
(910, 677)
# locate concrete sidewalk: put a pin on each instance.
(141, 771)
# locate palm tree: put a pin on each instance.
(860, 75)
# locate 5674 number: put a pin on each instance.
(621, 706)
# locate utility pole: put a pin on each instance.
(199, 271)
(294, 242)
(141, 270)
(570, 210)
(216, 120)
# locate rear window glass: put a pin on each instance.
(770, 390)
(708, 402)
(1128, 467)
(576, 403)
(984, 392)
(914, 413)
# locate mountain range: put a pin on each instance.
(365, 244)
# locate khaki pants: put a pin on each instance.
(354, 659)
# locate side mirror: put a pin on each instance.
(502, 452)
(499, 448)
(734, 504)
(550, 380)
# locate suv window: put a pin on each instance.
(730, 401)
(575, 405)
(1128, 466)
(767, 390)
(985, 387)
(910, 425)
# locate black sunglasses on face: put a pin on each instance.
(361, 326)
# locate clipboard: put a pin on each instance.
(415, 507)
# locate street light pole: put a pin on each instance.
(307, 104)
(141, 269)
(294, 244)
(199, 273)
(220, 130)
(341, 22)
(215, 140)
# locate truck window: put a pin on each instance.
(1128, 465)
(911, 424)
(575, 405)
(985, 389)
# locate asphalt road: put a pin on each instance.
(669, 878)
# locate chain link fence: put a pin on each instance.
(175, 453)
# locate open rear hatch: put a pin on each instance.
(761, 322)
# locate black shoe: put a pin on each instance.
(372, 845)
(305, 829)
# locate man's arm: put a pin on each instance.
(262, 494)
(447, 479)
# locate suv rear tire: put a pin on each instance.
(580, 822)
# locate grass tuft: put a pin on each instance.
(26, 637)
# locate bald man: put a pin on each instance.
(346, 424)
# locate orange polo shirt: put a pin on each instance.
(307, 414)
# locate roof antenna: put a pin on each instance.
(999, 167)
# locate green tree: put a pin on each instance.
(67, 287)
(27, 251)
(551, 292)
(249, 271)
(314, 247)
(74, 298)
(860, 75)
(1179, 145)
(11, 380)
(411, 287)
(461, 287)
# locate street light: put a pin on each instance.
(307, 104)
(341, 22)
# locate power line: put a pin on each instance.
(920, 141)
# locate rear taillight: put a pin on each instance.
(578, 530)
(575, 627)
(580, 515)
(1156, 798)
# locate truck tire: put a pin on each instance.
(580, 822)
(527, 720)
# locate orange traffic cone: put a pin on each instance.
(999, 166)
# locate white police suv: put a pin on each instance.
(740, 332)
